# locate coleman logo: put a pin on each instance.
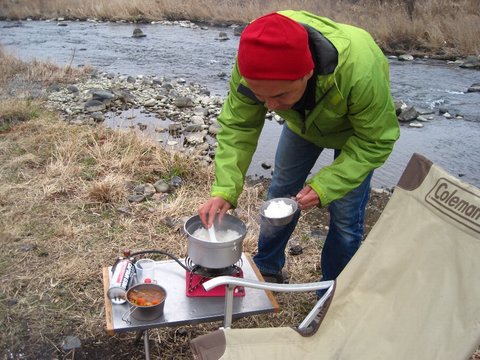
(456, 202)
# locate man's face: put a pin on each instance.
(279, 94)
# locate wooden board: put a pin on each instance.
(108, 303)
(276, 306)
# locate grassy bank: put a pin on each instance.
(439, 28)
(65, 215)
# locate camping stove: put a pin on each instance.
(197, 275)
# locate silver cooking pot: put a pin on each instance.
(148, 312)
(215, 255)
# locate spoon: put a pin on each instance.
(211, 233)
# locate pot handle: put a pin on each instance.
(126, 314)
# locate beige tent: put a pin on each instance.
(412, 291)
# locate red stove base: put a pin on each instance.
(194, 287)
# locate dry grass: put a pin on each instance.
(9, 67)
(61, 187)
(36, 71)
(445, 28)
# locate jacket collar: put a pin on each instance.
(325, 58)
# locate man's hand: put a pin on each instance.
(307, 198)
(209, 210)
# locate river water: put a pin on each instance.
(196, 55)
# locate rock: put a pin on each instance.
(408, 114)
(415, 125)
(149, 190)
(146, 189)
(97, 116)
(124, 211)
(138, 33)
(139, 189)
(237, 31)
(124, 95)
(55, 88)
(197, 120)
(161, 186)
(295, 250)
(12, 302)
(204, 91)
(159, 196)
(150, 103)
(101, 95)
(182, 332)
(183, 102)
(193, 128)
(36, 94)
(176, 181)
(424, 118)
(266, 165)
(200, 111)
(405, 57)
(400, 106)
(94, 105)
(380, 191)
(135, 198)
(72, 89)
(422, 111)
(175, 128)
(196, 138)
(171, 223)
(471, 62)
(214, 129)
(167, 86)
(222, 36)
(474, 88)
(27, 247)
(71, 342)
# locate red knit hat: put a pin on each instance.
(274, 47)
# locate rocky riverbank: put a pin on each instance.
(183, 112)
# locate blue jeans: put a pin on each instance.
(294, 160)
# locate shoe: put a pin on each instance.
(279, 278)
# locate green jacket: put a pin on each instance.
(353, 111)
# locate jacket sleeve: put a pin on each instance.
(241, 120)
(371, 113)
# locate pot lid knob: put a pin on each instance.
(147, 281)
